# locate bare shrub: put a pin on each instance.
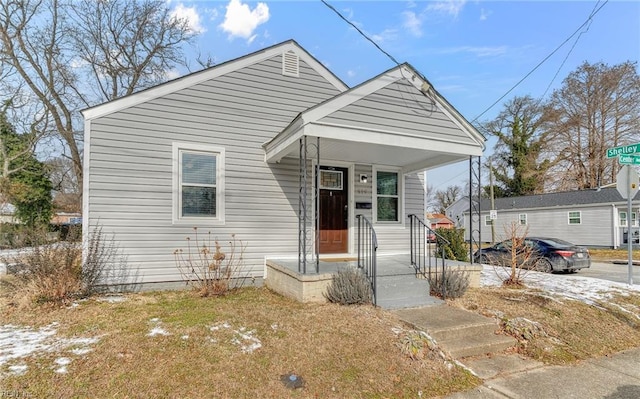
(511, 271)
(55, 274)
(209, 269)
(349, 286)
(417, 345)
(452, 284)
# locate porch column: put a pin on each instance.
(308, 218)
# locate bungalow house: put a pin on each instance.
(439, 220)
(595, 218)
(271, 147)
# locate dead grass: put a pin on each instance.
(574, 330)
(339, 351)
(608, 254)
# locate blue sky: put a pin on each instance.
(473, 52)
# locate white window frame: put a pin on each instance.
(521, 219)
(634, 219)
(622, 222)
(374, 193)
(219, 153)
(487, 220)
(579, 218)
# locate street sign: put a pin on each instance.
(628, 182)
(493, 214)
(623, 150)
(629, 159)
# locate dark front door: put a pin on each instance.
(334, 210)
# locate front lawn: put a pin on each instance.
(178, 345)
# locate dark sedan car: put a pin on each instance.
(539, 253)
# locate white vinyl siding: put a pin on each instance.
(575, 217)
(198, 182)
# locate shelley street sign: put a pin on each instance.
(629, 159)
(623, 150)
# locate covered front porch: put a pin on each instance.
(362, 157)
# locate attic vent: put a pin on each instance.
(290, 64)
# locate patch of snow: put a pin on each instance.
(155, 320)
(112, 299)
(63, 362)
(18, 369)
(246, 340)
(218, 326)
(17, 342)
(81, 351)
(274, 327)
(586, 289)
(157, 331)
(185, 337)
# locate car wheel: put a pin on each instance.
(543, 265)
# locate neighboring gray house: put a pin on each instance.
(595, 218)
(232, 150)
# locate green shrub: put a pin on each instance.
(453, 284)
(457, 248)
(349, 287)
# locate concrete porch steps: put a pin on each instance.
(403, 291)
(458, 332)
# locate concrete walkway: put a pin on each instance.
(612, 377)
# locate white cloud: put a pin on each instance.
(412, 23)
(451, 7)
(189, 14)
(385, 36)
(484, 14)
(477, 51)
(242, 21)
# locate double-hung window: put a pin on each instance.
(575, 217)
(388, 189)
(487, 220)
(522, 219)
(198, 183)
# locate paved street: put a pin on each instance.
(608, 271)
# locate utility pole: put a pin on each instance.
(493, 204)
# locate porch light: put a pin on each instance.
(364, 178)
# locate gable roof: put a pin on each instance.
(211, 73)
(396, 111)
(608, 195)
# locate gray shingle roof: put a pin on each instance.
(584, 197)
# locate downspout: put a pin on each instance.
(614, 236)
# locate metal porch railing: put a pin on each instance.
(367, 251)
(423, 256)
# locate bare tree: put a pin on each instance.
(444, 198)
(70, 55)
(597, 107)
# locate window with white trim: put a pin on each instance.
(198, 181)
(487, 220)
(575, 217)
(623, 219)
(522, 219)
(388, 189)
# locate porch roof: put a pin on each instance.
(395, 119)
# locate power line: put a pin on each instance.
(361, 32)
(588, 20)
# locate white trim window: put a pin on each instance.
(623, 219)
(522, 219)
(487, 220)
(575, 217)
(388, 201)
(198, 183)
